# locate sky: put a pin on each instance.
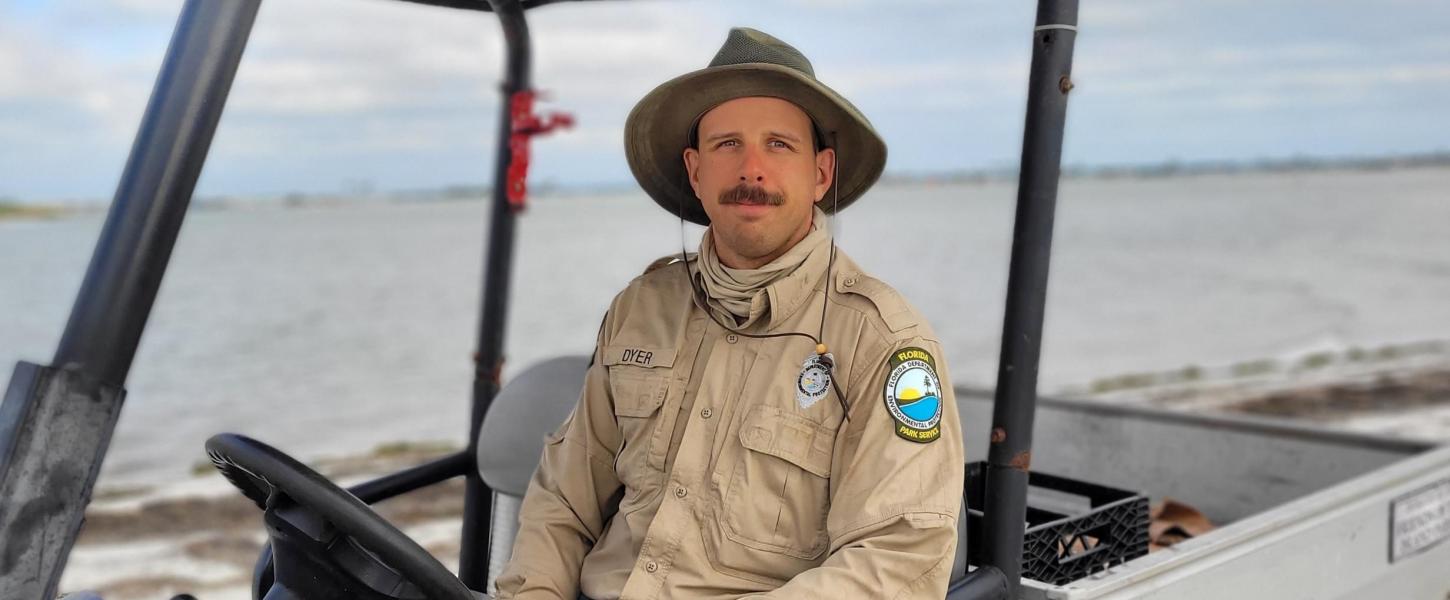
(340, 96)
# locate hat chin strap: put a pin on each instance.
(822, 351)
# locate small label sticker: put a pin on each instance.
(1419, 520)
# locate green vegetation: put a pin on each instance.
(120, 492)
(1190, 373)
(406, 448)
(202, 467)
(1388, 353)
(11, 209)
(1124, 382)
(1267, 366)
(1316, 360)
(1254, 367)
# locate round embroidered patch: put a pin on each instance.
(814, 380)
(913, 395)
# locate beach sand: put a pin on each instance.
(201, 537)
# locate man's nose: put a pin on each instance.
(752, 170)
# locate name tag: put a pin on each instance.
(637, 356)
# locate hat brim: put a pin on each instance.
(657, 131)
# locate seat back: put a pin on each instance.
(511, 439)
(523, 413)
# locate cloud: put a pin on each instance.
(1121, 17)
(351, 86)
(66, 82)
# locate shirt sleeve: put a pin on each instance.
(892, 520)
(570, 498)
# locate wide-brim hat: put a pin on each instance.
(751, 63)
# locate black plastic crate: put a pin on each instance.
(1064, 543)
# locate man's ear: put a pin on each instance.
(692, 170)
(825, 171)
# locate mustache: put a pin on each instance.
(748, 194)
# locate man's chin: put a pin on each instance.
(747, 242)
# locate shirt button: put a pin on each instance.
(850, 281)
(732, 338)
(651, 566)
(681, 492)
(706, 412)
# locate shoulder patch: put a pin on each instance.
(894, 310)
(913, 395)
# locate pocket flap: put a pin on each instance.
(638, 392)
(639, 356)
(788, 436)
(639, 377)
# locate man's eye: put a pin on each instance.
(726, 143)
(779, 144)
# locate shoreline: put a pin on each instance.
(14, 210)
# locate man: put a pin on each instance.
(762, 420)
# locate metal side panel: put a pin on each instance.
(1228, 467)
(55, 426)
(1334, 544)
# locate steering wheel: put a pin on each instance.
(305, 512)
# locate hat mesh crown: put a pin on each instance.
(745, 45)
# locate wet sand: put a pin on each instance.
(202, 537)
(1338, 401)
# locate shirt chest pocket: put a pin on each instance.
(779, 493)
(639, 383)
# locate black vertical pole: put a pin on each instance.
(478, 499)
(56, 422)
(145, 217)
(1010, 454)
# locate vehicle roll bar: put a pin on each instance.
(498, 261)
(1009, 455)
(56, 422)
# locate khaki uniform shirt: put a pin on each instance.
(691, 469)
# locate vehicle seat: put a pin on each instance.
(526, 410)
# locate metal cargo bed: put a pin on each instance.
(1302, 511)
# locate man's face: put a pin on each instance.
(757, 176)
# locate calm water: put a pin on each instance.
(330, 330)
